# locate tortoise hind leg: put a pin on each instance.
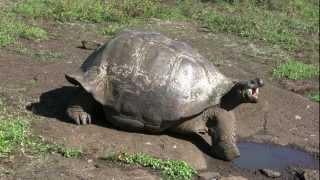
(81, 107)
(126, 123)
(131, 124)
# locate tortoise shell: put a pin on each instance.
(150, 77)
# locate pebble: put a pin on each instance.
(270, 173)
(297, 117)
(148, 143)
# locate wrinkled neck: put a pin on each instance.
(230, 100)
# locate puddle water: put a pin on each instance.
(257, 156)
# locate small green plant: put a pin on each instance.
(170, 169)
(112, 29)
(33, 33)
(70, 152)
(13, 133)
(45, 55)
(315, 96)
(39, 146)
(11, 29)
(295, 70)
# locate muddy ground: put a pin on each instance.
(32, 75)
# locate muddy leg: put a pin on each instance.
(223, 134)
(81, 107)
(196, 125)
(217, 123)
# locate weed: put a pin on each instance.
(11, 29)
(170, 169)
(39, 146)
(15, 133)
(33, 33)
(315, 96)
(113, 29)
(295, 70)
(70, 152)
(42, 55)
(45, 55)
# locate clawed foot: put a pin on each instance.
(225, 151)
(78, 115)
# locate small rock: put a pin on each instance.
(90, 45)
(148, 143)
(209, 176)
(233, 178)
(270, 173)
(297, 117)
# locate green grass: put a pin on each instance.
(16, 135)
(295, 70)
(13, 133)
(91, 10)
(315, 96)
(170, 169)
(113, 29)
(41, 55)
(12, 29)
(284, 23)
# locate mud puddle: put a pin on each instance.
(259, 156)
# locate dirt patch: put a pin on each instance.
(281, 117)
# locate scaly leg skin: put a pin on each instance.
(125, 123)
(223, 134)
(196, 125)
(81, 107)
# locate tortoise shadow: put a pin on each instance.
(53, 104)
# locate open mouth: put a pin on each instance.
(252, 93)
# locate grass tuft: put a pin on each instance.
(170, 169)
(11, 29)
(113, 28)
(295, 70)
(315, 96)
(13, 133)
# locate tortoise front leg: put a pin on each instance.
(81, 107)
(222, 128)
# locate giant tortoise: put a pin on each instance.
(148, 82)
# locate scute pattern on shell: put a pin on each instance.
(150, 77)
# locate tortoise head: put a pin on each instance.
(248, 91)
(242, 92)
